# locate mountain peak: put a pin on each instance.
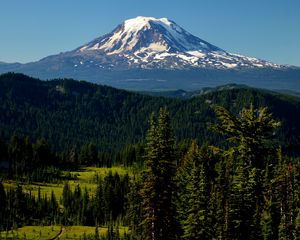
(148, 35)
(148, 42)
(141, 21)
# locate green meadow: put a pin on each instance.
(50, 232)
(85, 177)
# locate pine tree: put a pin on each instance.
(85, 216)
(193, 194)
(19, 205)
(77, 204)
(99, 212)
(250, 135)
(288, 203)
(53, 206)
(157, 192)
(197, 224)
(251, 132)
(183, 178)
(134, 207)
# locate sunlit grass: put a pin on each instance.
(32, 232)
(85, 178)
(48, 232)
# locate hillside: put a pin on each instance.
(67, 112)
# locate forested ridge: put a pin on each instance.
(68, 113)
(223, 165)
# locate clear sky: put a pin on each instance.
(267, 29)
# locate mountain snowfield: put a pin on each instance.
(147, 42)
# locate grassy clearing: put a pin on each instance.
(32, 232)
(48, 232)
(86, 178)
(88, 174)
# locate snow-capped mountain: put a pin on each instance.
(146, 53)
(147, 42)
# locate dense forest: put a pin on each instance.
(69, 113)
(223, 165)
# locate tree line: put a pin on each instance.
(24, 161)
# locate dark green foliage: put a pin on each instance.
(251, 133)
(243, 187)
(159, 184)
(24, 209)
(27, 162)
(134, 208)
(183, 177)
(254, 209)
(88, 154)
(196, 224)
(68, 113)
(245, 191)
(195, 193)
(107, 205)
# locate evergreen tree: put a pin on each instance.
(183, 177)
(85, 215)
(53, 207)
(197, 225)
(99, 212)
(134, 207)
(88, 154)
(251, 133)
(288, 203)
(157, 192)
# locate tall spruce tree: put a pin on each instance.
(193, 194)
(157, 192)
(197, 225)
(134, 208)
(250, 136)
(251, 132)
(183, 178)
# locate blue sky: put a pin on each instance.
(267, 29)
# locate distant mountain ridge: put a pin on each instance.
(143, 53)
(182, 94)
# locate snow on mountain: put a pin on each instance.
(147, 42)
